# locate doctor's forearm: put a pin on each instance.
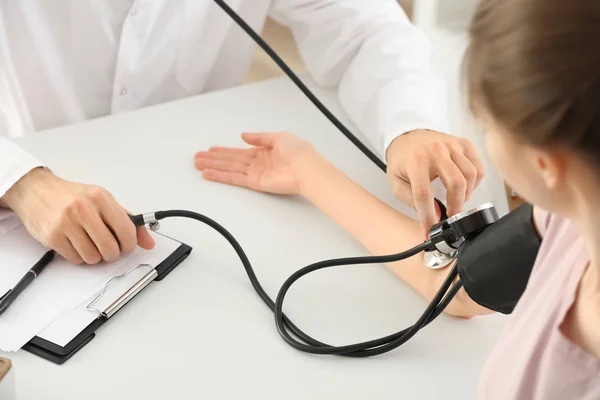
(380, 63)
(378, 227)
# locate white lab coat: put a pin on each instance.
(64, 61)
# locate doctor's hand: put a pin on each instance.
(74, 219)
(417, 158)
(268, 166)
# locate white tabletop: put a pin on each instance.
(203, 332)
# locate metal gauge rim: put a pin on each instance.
(471, 211)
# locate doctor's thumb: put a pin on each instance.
(144, 239)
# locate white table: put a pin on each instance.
(203, 332)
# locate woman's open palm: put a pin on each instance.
(266, 167)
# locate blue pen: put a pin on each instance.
(11, 295)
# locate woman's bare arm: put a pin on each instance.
(284, 164)
(378, 227)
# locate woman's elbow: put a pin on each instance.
(462, 306)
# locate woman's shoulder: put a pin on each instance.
(562, 246)
(551, 226)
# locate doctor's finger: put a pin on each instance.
(103, 239)
(471, 153)
(468, 170)
(403, 192)
(454, 182)
(230, 178)
(144, 240)
(423, 196)
(84, 246)
(64, 247)
(143, 237)
(121, 226)
(221, 165)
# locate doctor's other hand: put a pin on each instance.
(268, 166)
(74, 219)
(417, 158)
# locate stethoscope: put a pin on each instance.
(445, 239)
(441, 249)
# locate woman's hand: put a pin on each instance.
(270, 166)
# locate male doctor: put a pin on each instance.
(64, 61)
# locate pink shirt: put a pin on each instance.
(533, 360)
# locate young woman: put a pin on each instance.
(533, 73)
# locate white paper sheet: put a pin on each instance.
(5, 213)
(59, 288)
(8, 221)
(71, 323)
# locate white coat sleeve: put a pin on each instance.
(14, 163)
(379, 62)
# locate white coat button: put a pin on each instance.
(133, 12)
(123, 91)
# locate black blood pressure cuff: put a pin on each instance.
(494, 266)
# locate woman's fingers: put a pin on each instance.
(226, 154)
(259, 139)
(218, 151)
(225, 159)
(230, 178)
(221, 165)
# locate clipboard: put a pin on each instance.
(60, 354)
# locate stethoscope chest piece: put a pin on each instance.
(450, 234)
(437, 260)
